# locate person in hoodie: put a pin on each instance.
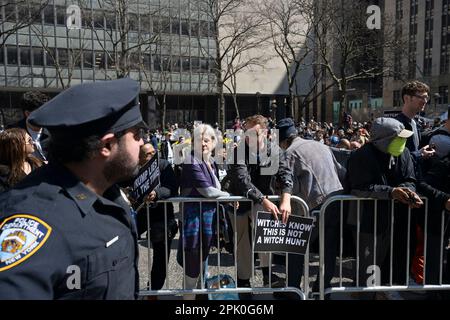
(383, 169)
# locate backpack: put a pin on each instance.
(427, 135)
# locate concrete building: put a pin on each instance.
(425, 26)
(168, 46)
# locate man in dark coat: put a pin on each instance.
(383, 170)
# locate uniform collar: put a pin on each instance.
(77, 190)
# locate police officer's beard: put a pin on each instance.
(121, 168)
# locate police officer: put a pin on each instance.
(65, 231)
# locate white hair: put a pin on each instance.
(205, 130)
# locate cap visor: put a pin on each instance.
(142, 125)
(405, 133)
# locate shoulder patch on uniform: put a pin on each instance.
(21, 236)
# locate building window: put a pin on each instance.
(1, 56)
(175, 26)
(443, 93)
(11, 53)
(146, 23)
(135, 61)
(184, 27)
(195, 64)
(63, 57)
(25, 59)
(397, 99)
(50, 56)
(10, 12)
(110, 20)
(185, 64)
(98, 20)
(99, 59)
(133, 21)
(60, 16)
(203, 29)
(77, 57)
(87, 59)
(194, 29)
(147, 62)
(161, 63)
(176, 64)
(212, 65)
(49, 17)
(38, 56)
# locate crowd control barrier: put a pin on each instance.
(175, 283)
(392, 229)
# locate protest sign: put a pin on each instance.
(146, 181)
(274, 236)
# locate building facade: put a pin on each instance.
(424, 25)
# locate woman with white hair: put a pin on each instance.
(199, 179)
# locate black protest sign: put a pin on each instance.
(146, 181)
(274, 236)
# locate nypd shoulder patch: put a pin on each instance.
(21, 236)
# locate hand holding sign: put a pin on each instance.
(146, 182)
(271, 207)
(151, 197)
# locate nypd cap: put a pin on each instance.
(92, 108)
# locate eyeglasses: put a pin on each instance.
(138, 133)
(425, 98)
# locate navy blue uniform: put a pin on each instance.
(60, 239)
(86, 244)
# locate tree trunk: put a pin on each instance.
(342, 104)
(290, 110)
(236, 107)
(221, 101)
(164, 105)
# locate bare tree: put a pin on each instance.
(236, 32)
(18, 14)
(120, 34)
(345, 46)
(289, 24)
(65, 61)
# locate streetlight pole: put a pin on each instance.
(258, 102)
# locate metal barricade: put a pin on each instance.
(375, 285)
(175, 288)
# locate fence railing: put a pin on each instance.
(381, 232)
(174, 287)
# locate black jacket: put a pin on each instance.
(168, 188)
(246, 179)
(165, 149)
(436, 187)
(369, 176)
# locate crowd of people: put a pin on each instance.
(94, 153)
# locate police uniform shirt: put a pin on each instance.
(60, 240)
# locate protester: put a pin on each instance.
(387, 173)
(163, 226)
(16, 159)
(200, 178)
